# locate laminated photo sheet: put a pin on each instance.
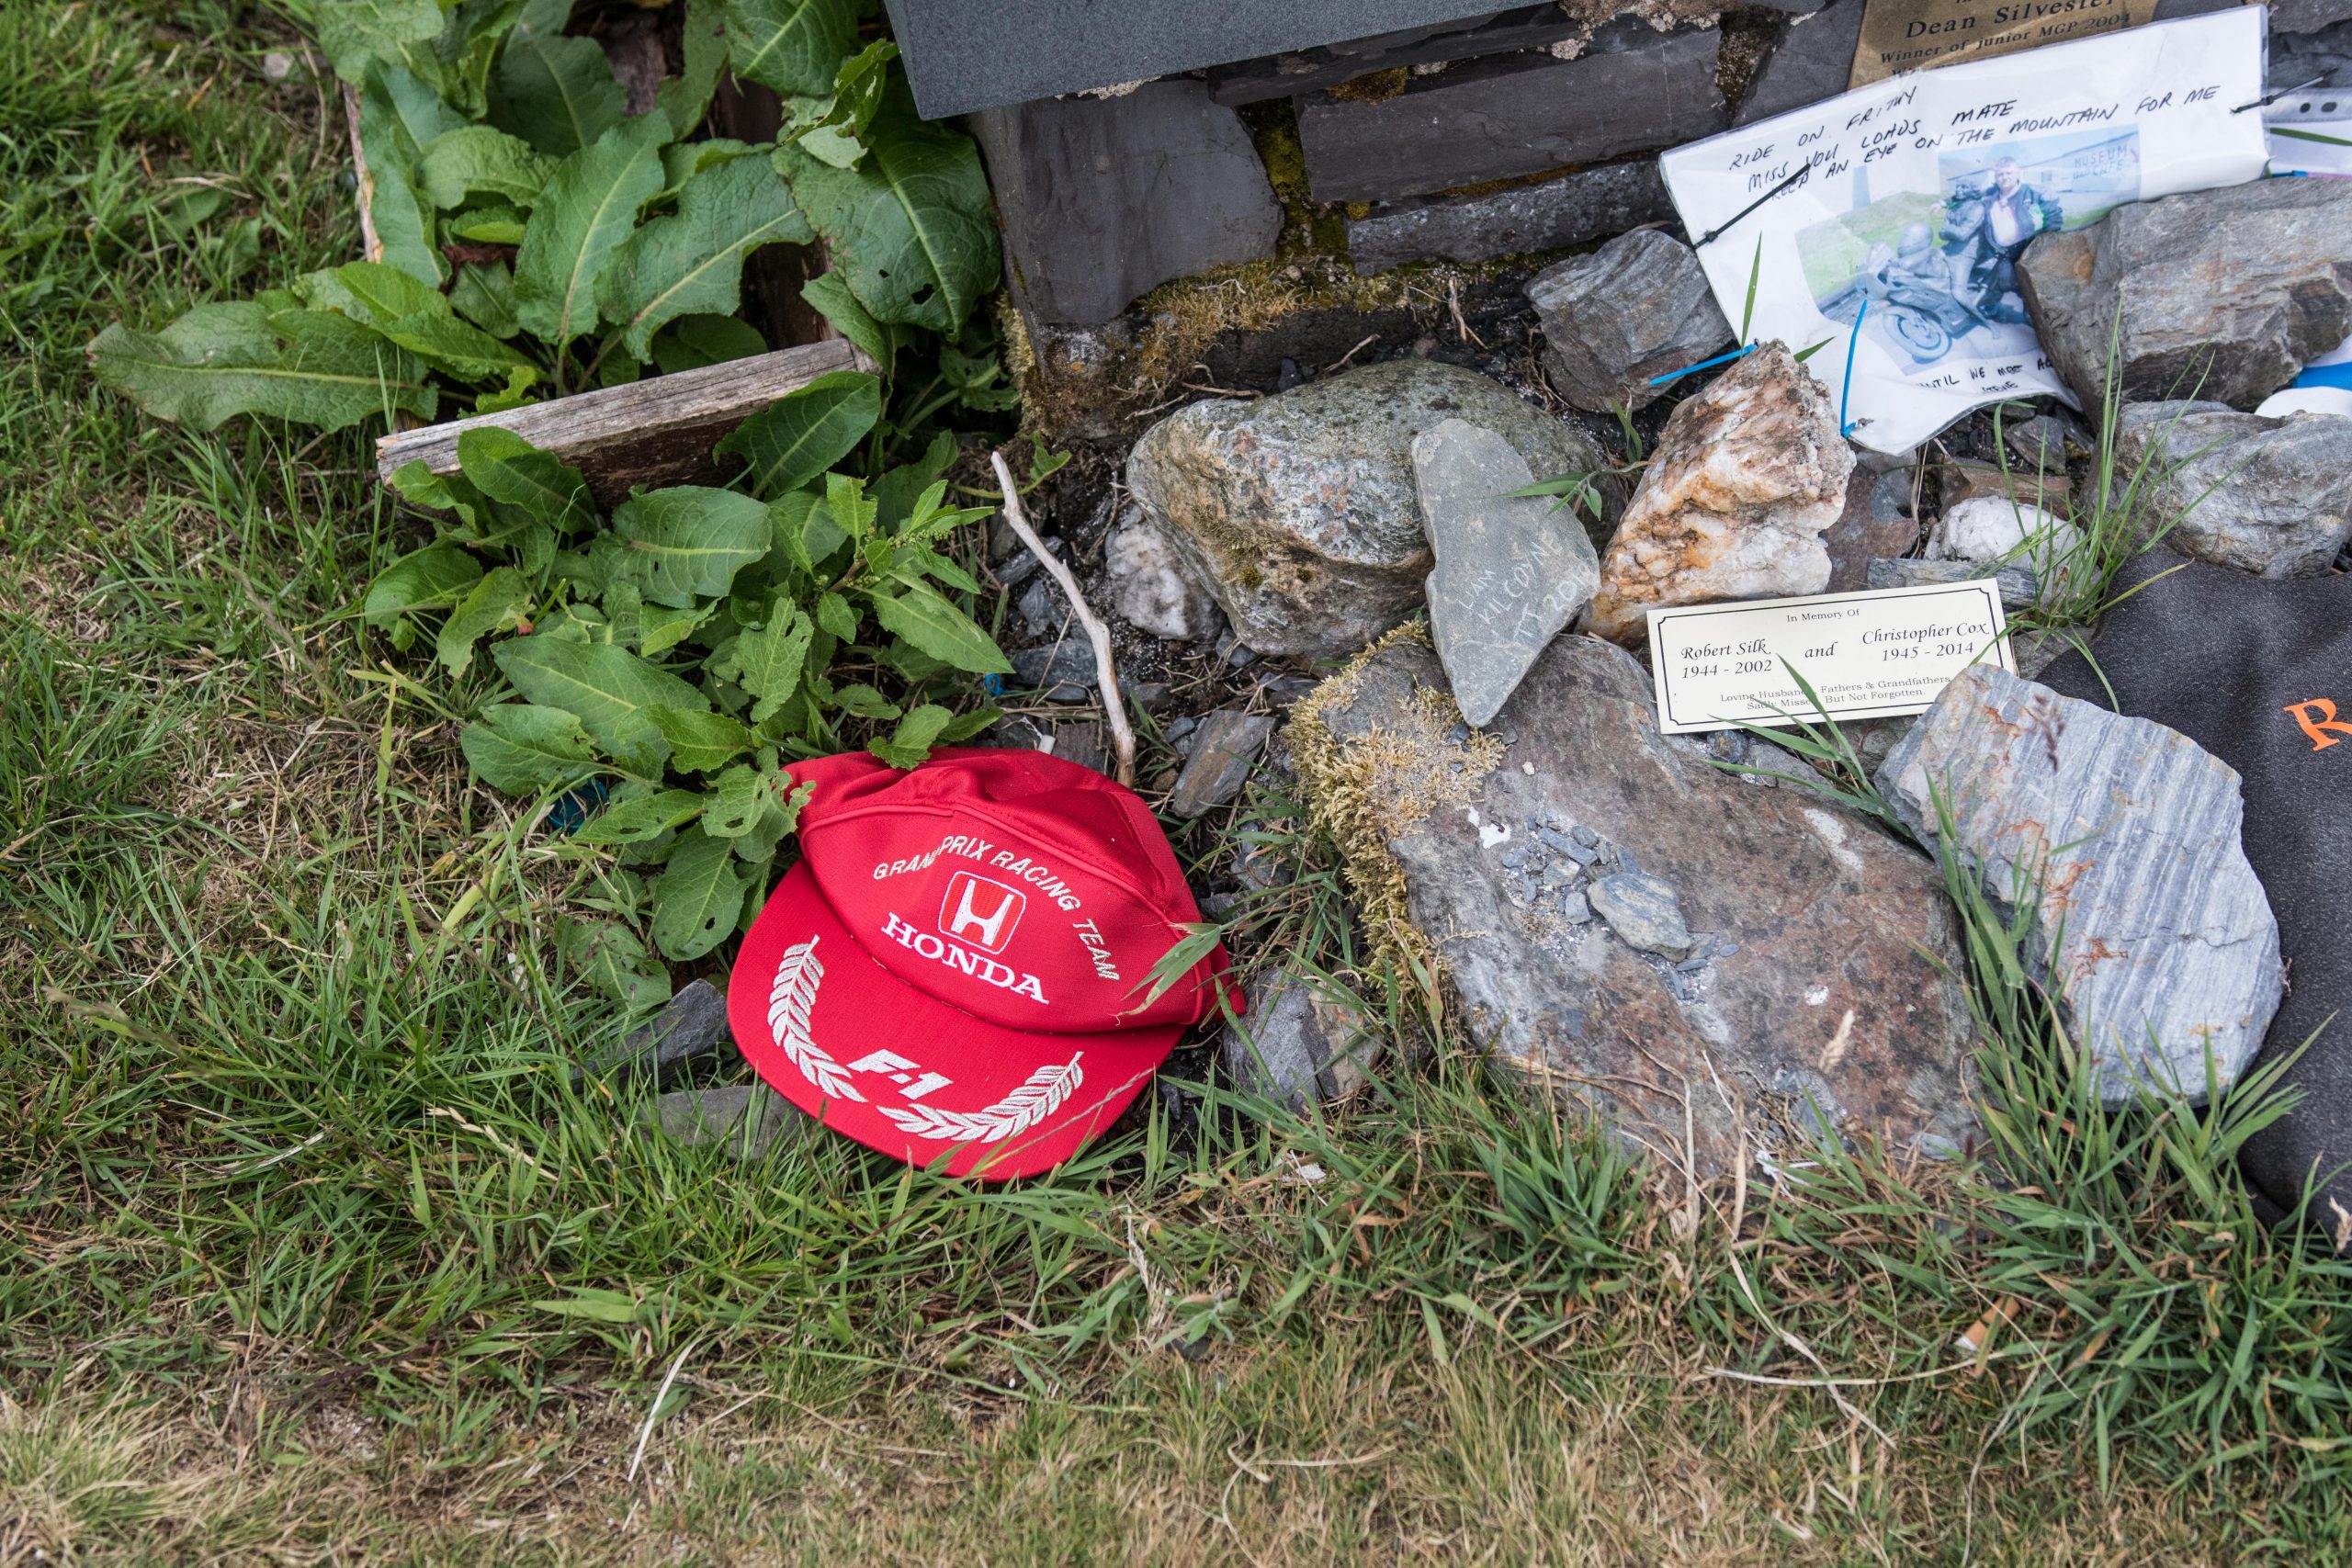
(2324, 386)
(1915, 195)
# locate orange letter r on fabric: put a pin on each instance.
(2315, 728)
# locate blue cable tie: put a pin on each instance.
(1704, 364)
(992, 684)
(1845, 425)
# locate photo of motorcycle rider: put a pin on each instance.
(1986, 228)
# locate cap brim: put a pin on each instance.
(841, 1037)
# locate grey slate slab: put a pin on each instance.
(1102, 199)
(1518, 115)
(690, 1024)
(1810, 61)
(1571, 211)
(1312, 70)
(1225, 748)
(963, 55)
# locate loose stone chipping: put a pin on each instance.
(1627, 313)
(1746, 477)
(2165, 944)
(1493, 861)
(2269, 496)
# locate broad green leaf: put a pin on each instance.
(515, 394)
(768, 659)
(909, 745)
(584, 214)
(834, 614)
(793, 46)
(608, 687)
(643, 818)
(897, 492)
(684, 99)
(925, 619)
(698, 898)
(692, 342)
(484, 295)
(487, 223)
(506, 467)
(311, 366)
(852, 511)
(692, 261)
(662, 627)
(910, 227)
(394, 110)
(690, 540)
(441, 492)
(682, 161)
(611, 958)
(430, 579)
(861, 700)
(468, 46)
(917, 562)
(739, 798)
(556, 93)
(499, 602)
(832, 300)
(700, 743)
(354, 32)
(483, 158)
(804, 433)
(521, 750)
(414, 315)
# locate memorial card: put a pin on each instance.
(1887, 223)
(1879, 654)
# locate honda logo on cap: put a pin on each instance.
(980, 913)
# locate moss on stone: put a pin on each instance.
(1373, 86)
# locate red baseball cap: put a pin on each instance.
(959, 964)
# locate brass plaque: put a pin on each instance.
(1904, 35)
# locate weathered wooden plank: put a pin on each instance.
(655, 431)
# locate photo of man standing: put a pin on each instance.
(1990, 226)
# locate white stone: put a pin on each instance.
(1150, 586)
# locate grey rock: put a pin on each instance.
(1636, 308)
(748, 1120)
(2168, 947)
(1042, 607)
(1223, 748)
(1631, 91)
(2269, 496)
(1828, 914)
(692, 1023)
(1299, 1043)
(1576, 908)
(1083, 744)
(1068, 692)
(1102, 199)
(1311, 69)
(1571, 209)
(1070, 661)
(1149, 584)
(1298, 511)
(2222, 294)
(1643, 911)
(1510, 573)
(1743, 481)
(1019, 568)
(2019, 586)
(2044, 443)
(1810, 60)
(2290, 17)
(962, 57)
(1876, 523)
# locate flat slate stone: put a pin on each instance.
(1225, 748)
(963, 55)
(1510, 572)
(1312, 70)
(690, 1024)
(747, 1119)
(1809, 61)
(2019, 586)
(1634, 91)
(1298, 1044)
(1643, 911)
(1874, 525)
(2130, 831)
(1569, 210)
(1103, 200)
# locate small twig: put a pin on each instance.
(1115, 706)
(371, 247)
(1369, 337)
(1460, 326)
(655, 1408)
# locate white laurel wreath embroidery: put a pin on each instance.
(789, 1000)
(1035, 1100)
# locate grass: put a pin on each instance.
(311, 1253)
